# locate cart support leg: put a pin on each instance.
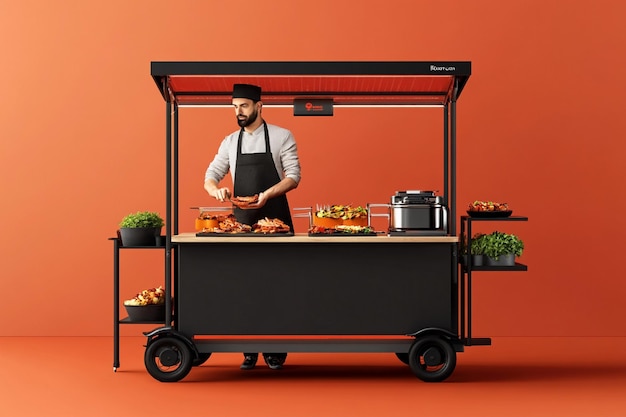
(116, 297)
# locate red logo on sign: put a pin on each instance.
(312, 107)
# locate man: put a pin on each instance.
(263, 160)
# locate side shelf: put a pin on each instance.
(465, 287)
(517, 267)
(117, 247)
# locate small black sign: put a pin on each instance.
(313, 107)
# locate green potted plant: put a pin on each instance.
(141, 228)
(501, 249)
(477, 249)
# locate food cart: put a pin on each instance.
(383, 293)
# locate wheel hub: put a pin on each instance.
(168, 357)
(432, 356)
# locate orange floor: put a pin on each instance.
(66, 376)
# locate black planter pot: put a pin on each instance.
(477, 260)
(139, 236)
(503, 260)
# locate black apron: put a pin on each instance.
(255, 173)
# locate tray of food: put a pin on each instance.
(487, 209)
(330, 216)
(229, 226)
(342, 230)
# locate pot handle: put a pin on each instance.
(306, 212)
(370, 214)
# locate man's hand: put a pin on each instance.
(222, 194)
(263, 197)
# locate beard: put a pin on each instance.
(248, 120)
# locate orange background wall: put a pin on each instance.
(540, 126)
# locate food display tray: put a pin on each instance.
(342, 234)
(213, 234)
(489, 214)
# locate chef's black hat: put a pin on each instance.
(249, 91)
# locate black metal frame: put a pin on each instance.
(160, 71)
(461, 294)
(117, 247)
(465, 286)
(163, 71)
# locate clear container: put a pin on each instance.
(210, 217)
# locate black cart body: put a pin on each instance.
(301, 286)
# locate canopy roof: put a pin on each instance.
(346, 83)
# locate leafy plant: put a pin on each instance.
(498, 243)
(477, 244)
(142, 219)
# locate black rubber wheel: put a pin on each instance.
(168, 359)
(404, 357)
(432, 358)
(202, 357)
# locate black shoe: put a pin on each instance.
(274, 362)
(248, 362)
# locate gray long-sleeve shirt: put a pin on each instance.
(282, 144)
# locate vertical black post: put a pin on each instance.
(116, 307)
(172, 254)
(469, 285)
(452, 195)
(168, 206)
(446, 154)
(175, 171)
(461, 294)
(452, 218)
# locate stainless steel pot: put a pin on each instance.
(414, 212)
(408, 217)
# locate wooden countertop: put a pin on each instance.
(305, 238)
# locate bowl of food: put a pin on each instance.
(152, 312)
(486, 209)
(148, 305)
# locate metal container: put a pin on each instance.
(412, 217)
(415, 212)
